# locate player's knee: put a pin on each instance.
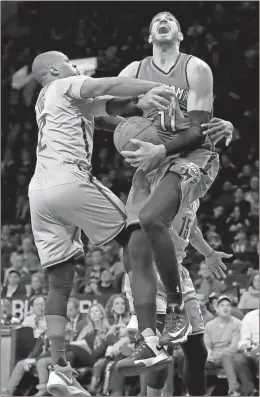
(150, 221)
(61, 278)
(139, 249)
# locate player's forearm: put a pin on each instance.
(191, 138)
(116, 86)
(199, 243)
(124, 107)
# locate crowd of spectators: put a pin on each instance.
(225, 35)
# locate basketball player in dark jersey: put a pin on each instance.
(180, 129)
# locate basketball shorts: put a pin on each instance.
(64, 202)
(190, 301)
(197, 172)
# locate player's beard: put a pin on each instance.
(161, 40)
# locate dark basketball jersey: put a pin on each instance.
(176, 78)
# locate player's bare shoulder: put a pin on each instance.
(197, 70)
(130, 70)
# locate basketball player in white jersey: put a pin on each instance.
(156, 197)
(184, 230)
(64, 197)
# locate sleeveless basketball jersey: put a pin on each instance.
(181, 229)
(65, 125)
(176, 78)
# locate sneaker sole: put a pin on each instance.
(172, 342)
(62, 390)
(141, 368)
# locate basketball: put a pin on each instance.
(135, 127)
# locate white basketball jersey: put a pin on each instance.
(65, 123)
(181, 229)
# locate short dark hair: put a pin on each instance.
(164, 12)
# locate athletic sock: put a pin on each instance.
(146, 316)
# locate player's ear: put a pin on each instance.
(180, 36)
(150, 40)
(54, 71)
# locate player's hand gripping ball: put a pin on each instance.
(135, 127)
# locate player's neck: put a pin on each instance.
(164, 57)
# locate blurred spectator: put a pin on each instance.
(90, 345)
(97, 264)
(239, 201)
(250, 299)
(37, 319)
(13, 288)
(106, 283)
(214, 240)
(27, 232)
(7, 318)
(207, 283)
(76, 319)
(117, 310)
(219, 219)
(36, 285)
(235, 222)
(25, 365)
(31, 259)
(17, 263)
(241, 243)
(247, 359)
(221, 338)
(244, 176)
(207, 316)
(226, 198)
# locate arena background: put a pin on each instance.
(105, 37)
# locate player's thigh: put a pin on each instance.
(191, 303)
(164, 201)
(138, 195)
(56, 240)
(91, 206)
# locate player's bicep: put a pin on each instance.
(200, 80)
(130, 70)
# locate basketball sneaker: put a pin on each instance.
(133, 324)
(62, 382)
(148, 354)
(177, 326)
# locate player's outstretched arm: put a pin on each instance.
(212, 258)
(118, 86)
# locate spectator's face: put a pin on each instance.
(236, 212)
(241, 236)
(95, 314)
(28, 228)
(93, 286)
(254, 183)
(38, 306)
(18, 262)
(256, 282)
(72, 311)
(164, 29)
(246, 170)
(202, 300)
(218, 211)
(254, 240)
(227, 187)
(239, 195)
(118, 306)
(13, 279)
(21, 180)
(96, 258)
(27, 245)
(204, 271)
(36, 283)
(224, 309)
(106, 276)
(25, 156)
(255, 197)
(214, 240)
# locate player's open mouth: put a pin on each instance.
(163, 29)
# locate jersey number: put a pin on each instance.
(41, 144)
(167, 122)
(185, 229)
